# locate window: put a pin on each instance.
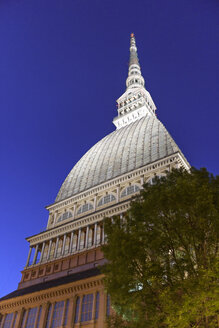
(97, 305)
(84, 208)
(130, 190)
(57, 314)
(106, 199)
(66, 313)
(108, 305)
(77, 309)
(87, 306)
(31, 317)
(8, 320)
(65, 216)
(39, 316)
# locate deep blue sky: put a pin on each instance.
(63, 63)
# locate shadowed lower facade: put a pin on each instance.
(61, 284)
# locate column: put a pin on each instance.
(118, 193)
(3, 320)
(103, 234)
(42, 252)
(80, 308)
(37, 315)
(44, 313)
(28, 258)
(74, 211)
(79, 239)
(102, 309)
(63, 314)
(25, 317)
(95, 202)
(55, 218)
(50, 319)
(94, 306)
(19, 318)
(87, 235)
(35, 254)
(56, 248)
(49, 249)
(95, 234)
(71, 242)
(13, 320)
(142, 180)
(63, 245)
(71, 312)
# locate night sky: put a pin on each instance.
(63, 64)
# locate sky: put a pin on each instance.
(63, 64)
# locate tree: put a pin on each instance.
(163, 256)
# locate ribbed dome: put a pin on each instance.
(131, 147)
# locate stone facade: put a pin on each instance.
(62, 285)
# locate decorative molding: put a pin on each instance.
(12, 304)
(114, 182)
(80, 223)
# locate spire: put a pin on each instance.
(136, 101)
(133, 52)
(135, 79)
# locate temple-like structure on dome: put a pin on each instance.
(61, 284)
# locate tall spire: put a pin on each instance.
(136, 101)
(135, 79)
(133, 52)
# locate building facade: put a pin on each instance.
(61, 284)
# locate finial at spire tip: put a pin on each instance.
(132, 35)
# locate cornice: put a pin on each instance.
(116, 181)
(80, 223)
(47, 295)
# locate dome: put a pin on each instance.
(131, 147)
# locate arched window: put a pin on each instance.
(84, 208)
(65, 216)
(106, 199)
(130, 190)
